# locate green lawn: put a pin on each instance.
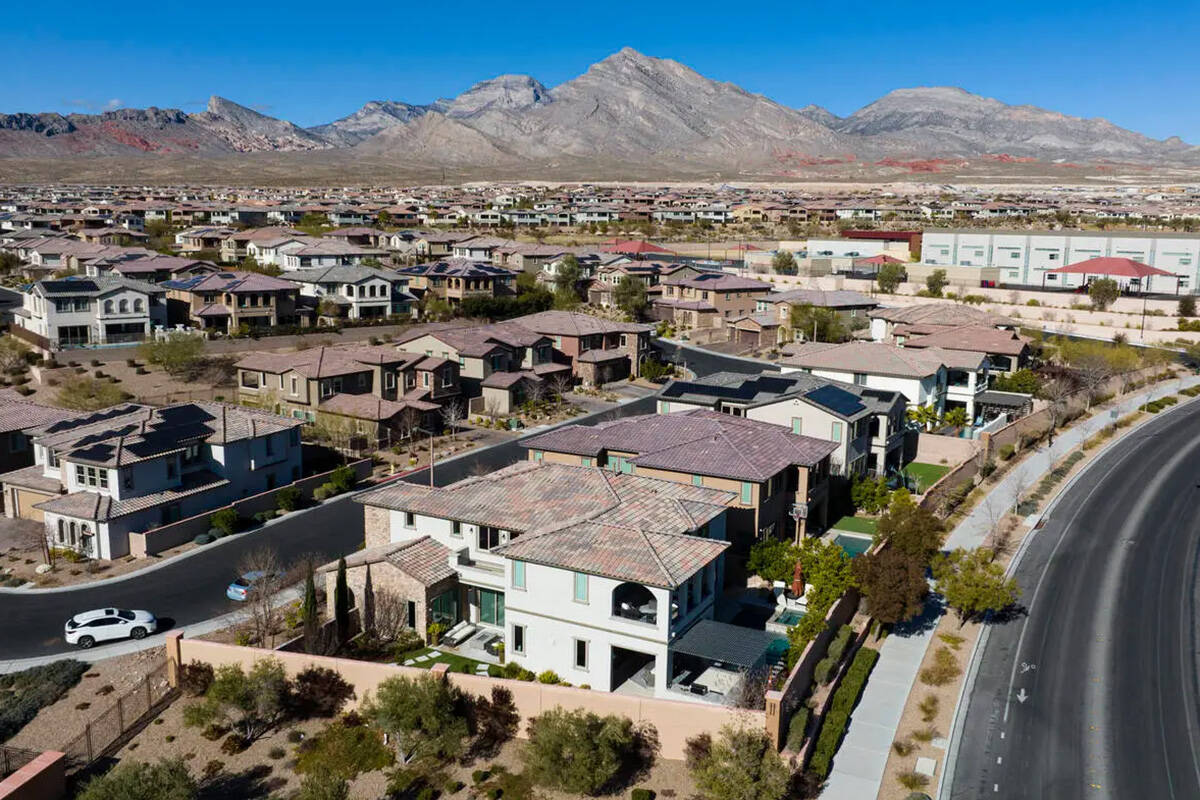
(455, 662)
(926, 474)
(855, 525)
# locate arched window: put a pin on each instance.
(108, 306)
(137, 304)
(74, 534)
(62, 531)
(124, 306)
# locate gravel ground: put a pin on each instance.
(60, 723)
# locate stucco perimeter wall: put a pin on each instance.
(935, 449)
(675, 720)
(44, 778)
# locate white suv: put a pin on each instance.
(104, 624)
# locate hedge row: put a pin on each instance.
(833, 728)
(1191, 391)
(1155, 406)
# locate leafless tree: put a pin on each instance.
(1094, 371)
(560, 384)
(751, 693)
(407, 423)
(1056, 392)
(391, 615)
(1018, 482)
(452, 415)
(535, 392)
(263, 616)
(491, 407)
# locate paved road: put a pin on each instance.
(192, 589)
(185, 590)
(1106, 658)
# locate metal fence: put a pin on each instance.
(13, 758)
(130, 710)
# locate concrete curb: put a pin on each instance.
(968, 684)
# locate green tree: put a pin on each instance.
(177, 353)
(368, 603)
(168, 779)
(88, 394)
(973, 583)
(569, 275)
(784, 263)
(1103, 293)
(12, 354)
(251, 702)
(630, 297)
(936, 281)
(341, 603)
(893, 582)
(740, 765)
(1187, 306)
(817, 324)
(383, 218)
(925, 416)
(581, 752)
(1023, 381)
(911, 529)
(773, 559)
(826, 568)
(434, 308)
(889, 277)
(9, 261)
(426, 716)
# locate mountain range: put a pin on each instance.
(632, 112)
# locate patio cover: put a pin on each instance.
(729, 644)
(879, 260)
(634, 247)
(1115, 267)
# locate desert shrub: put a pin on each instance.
(584, 753)
(913, 780)
(929, 707)
(24, 693)
(294, 736)
(902, 747)
(841, 640)
(234, 744)
(225, 521)
(276, 753)
(1006, 452)
(287, 498)
(264, 516)
(319, 692)
(169, 779)
(496, 721)
(322, 492)
(345, 748)
(943, 670)
(844, 699)
(741, 764)
(549, 676)
(427, 717)
(203, 538)
(212, 769)
(641, 794)
(987, 468)
(195, 678)
(342, 479)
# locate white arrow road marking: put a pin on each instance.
(1022, 696)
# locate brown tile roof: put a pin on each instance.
(368, 406)
(422, 559)
(877, 358)
(95, 506)
(974, 338)
(622, 526)
(941, 314)
(19, 415)
(701, 441)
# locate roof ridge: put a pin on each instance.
(662, 565)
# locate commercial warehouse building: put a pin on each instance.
(1025, 257)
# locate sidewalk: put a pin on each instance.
(860, 762)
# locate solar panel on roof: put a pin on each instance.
(837, 400)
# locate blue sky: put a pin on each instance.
(313, 62)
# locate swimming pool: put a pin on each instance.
(789, 618)
(853, 545)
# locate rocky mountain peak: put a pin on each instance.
(502, 93)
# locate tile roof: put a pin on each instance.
(772, 387)
(101, 508)
(233, 281)
(839, 298)
(33, 477)
(326, 362)
(941, 314)
(877, 358)
(974, 338)
(621, 526)
(423, 559)
(368, 406)
(700, 441)
(18, 415)
(574, 323)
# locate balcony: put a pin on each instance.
(632, 601)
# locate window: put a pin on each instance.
(491, 607)
(518, 638)
(295, 385)
(389, 380)
(797, 425)
(108, 307)
(137, 304)
(537, 455)
(518, 574)
(127, 480)
(62, 531)
(747, 493)
(581, 587)
(456, 528)
(585, 461)
(123, 305)
(835, 431)
(860, 379)
(410, 519)
(581, 654)
(91, 476)
(488, 537)
(697, 480)
(171, 469)
(191, 453)
(270, 445)
(664, 407)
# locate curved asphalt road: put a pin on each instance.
(189, 590)
(1106, 659)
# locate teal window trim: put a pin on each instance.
(584, 461)
(518, 574)
(580, 594)
(747, 493)
(697, 480)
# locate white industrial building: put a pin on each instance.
(1024, 257)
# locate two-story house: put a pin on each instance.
(455, 279)
(931, 376)
(596, 575)
(598, 350)
(356, 292)
(326, 253)
(377, 392)
(131, 468)
(867, 425)
(708, 299)
(780, 478)
(224, 301)
(70, 312)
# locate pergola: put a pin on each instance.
(1120, 268)
(634, 247)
